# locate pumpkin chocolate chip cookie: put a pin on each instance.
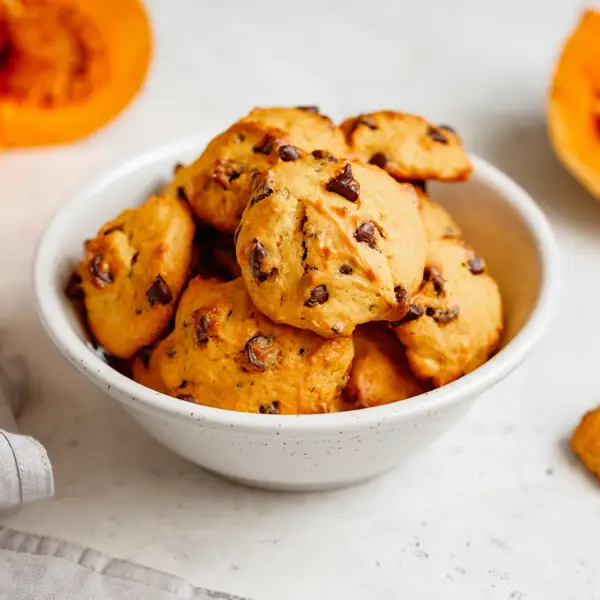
(326, 244)
(380, 372)
(133, 272)
(217, 184)
(224, 353)
(407, 146)
(304, 126)
(455, 320)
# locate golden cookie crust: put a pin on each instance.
(407, 146)
(380, 372)
(437, 221)
(327, 244)
(305, 127)
(133, 272)
(224, 353)
(146, 372)
(455, 321)
(586, 441)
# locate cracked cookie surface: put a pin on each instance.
(326, 244)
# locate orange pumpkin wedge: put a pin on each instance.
(574, 110)
(67, 67)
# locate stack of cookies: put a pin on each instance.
(296, 267)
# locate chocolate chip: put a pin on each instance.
(183, 384)
(318, 295)
(144, 356)
(441, 316)
(365, 234)
(309, 109)
(435, 277)
(304, 251)
(336, 329)
(436, 136)
(301, 351)
(74, 290)
(414, 312)
(134, 258)
(346, 270)
(201, 325)
(269, 409)
(324, 155)
(265, 146)
(447, 128)
(344, 184)
(240, 137)
(178, 167)
(181, 193)
(258, 253)
(186, 397)
(98, 272)
(159, 292)
(262, 354)
(379, 159)
(171, 352)
(476, 265)
(225, 172)
(260, 193)
(288, 153)
(400, 294)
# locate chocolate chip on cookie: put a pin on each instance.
(159, 292)
(344, 184)
(318, 295)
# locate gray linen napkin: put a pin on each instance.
(32, 566)
(25, 471)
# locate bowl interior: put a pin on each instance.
(498, 218)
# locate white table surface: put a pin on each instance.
(498, 509)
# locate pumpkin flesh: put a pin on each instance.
(574, 111)
(68, 66)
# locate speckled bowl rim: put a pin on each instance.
(138, 397)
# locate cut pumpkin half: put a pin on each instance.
(574, 110)
(67, 67)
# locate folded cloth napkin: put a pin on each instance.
(25, 471)
(44, 568)
(32, 566)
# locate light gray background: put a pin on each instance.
(498, 509)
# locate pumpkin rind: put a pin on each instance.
(111, 39)
(574, 109)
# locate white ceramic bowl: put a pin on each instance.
(309, 451)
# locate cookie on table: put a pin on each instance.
(437, 221)
(305, 127)
(380, 372)
(407, 146)
(586, 441)
(226, 354)
(327, 244)
(217, 184)
(454, 322)
(133, 272)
